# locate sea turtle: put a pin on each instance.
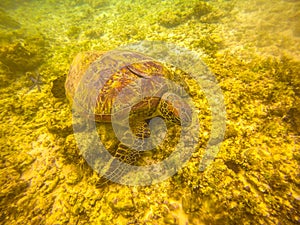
(98, 80)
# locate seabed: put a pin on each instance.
(253, 49)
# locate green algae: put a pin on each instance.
(255, 177)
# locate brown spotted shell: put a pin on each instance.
(96, 79)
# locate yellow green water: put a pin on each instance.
(252, 47)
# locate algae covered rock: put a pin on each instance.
(172, 19)
(97, 3)
(122, 203)
(180, 12)
(294, 117)
(91, 3)
(23, 55)
(8, 4)
(6, 21)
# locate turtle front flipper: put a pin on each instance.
(175, 109)
(131, 147)
(129, 150)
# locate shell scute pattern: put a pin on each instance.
(106, 77)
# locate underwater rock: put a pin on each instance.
(294, 114)
(97, 3)
(21, 57)
(189, 204)
(9, 4)
(122, 203)
(182, 12)
(73, 32)
(58, 89)
(171, 219)
(11, 187)
(234, 166)
(201, 9)
(296, 30)
(172, 19)
(94, 33)
(73, 176)
(7, 21)
(91, 3)
(51, 185)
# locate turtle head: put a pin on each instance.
(175, 109)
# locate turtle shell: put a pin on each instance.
(101, 84)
